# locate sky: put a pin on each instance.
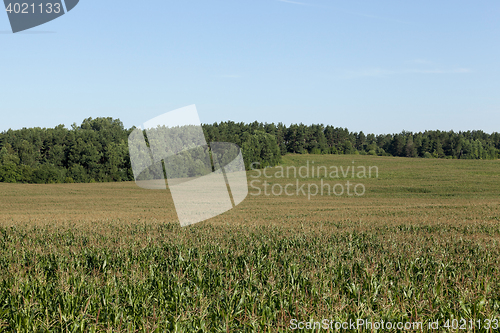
(371, 66)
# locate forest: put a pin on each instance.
(97, 150)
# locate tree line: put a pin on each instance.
(97, 150)
(320, 139)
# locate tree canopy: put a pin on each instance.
(97, 150)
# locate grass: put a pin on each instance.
(422, 244)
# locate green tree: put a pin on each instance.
(9, 165)
(261, 148)
(410, 150)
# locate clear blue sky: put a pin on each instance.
(375, 66)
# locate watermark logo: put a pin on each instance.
(25, 15)
(204, 180)
(311, 180)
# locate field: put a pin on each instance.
(422, 244)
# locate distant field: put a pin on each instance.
(421, 244)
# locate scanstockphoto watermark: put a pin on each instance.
(204, 180)
(359, 324)
(311, 180)
(27, 14)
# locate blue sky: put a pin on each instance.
(375, 66)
